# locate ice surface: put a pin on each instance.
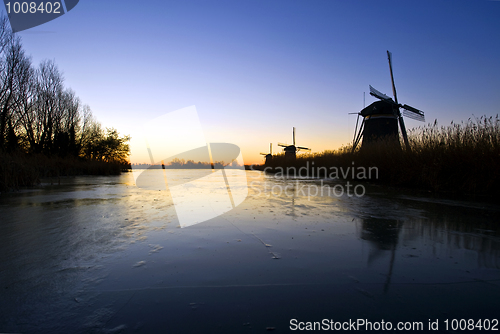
(97, 254)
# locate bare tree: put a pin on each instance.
(49, 88)
(6, 34)
(12, 63)
(39, 115)
(24, 104)
(66, 123)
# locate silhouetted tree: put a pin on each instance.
(11, 63)
(12, 140)
(39, 115)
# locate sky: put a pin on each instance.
(256, 69)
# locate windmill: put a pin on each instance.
(291, 150)
(380, 119)
(269, 156)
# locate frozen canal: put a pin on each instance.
(97, 254)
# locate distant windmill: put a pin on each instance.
(380, 119)
(291, 150)
(269, 156)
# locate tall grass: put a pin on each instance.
(461, 158)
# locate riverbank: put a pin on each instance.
(461, 159)
(25, 170)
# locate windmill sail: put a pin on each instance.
(389, 56)
(413, 115)
(378, 94)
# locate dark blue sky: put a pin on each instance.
(254, 69)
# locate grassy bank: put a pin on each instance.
(460, 158)
(25, 170)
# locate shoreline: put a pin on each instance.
(21, 170)
(419, 190)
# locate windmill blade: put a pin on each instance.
(413, 113)
(415, 110)
(283, 145)
(355, 131)
(263, 153)
(358, 137)
(378, 94)
(303, 148)
(403, 132)
(389, 56)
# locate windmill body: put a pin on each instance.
(380, 122)
(381, 118)
(269, 159)
(290, 152)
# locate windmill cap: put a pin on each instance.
(377, 108)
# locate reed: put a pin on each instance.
(461, 158)
(19, 169)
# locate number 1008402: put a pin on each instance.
(33, 7)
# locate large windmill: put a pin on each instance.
(380, 119)
(269, 156)
(291, 150)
